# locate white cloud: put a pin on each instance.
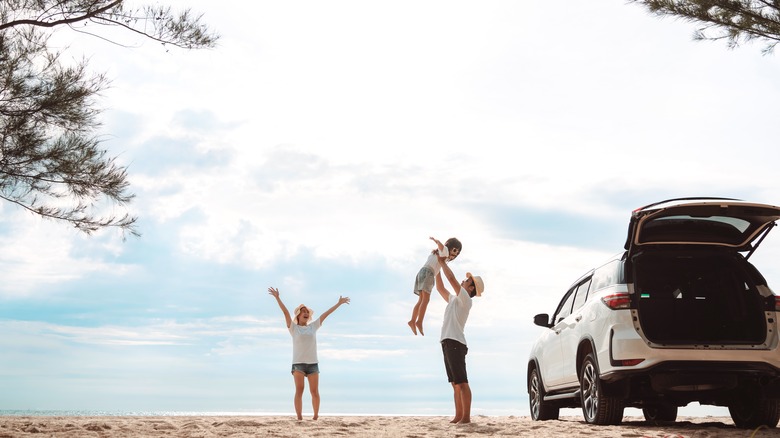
(37, 255)
(355, 354)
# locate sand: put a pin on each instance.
(374, 427)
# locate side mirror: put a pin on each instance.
(542, 319)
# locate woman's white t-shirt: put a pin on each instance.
(305, 342)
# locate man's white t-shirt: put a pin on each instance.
(455, 315)
(305, 342)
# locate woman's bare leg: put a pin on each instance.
(298, 402)
(314, 388)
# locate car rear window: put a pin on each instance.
(683, 228)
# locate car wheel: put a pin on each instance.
(596, 407)
(540, 410)
(755, 413)
(660, 413)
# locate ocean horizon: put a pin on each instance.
(102, 413)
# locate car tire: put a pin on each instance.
(597, 408)
(540, 409)
(756, 413)
(660, 413)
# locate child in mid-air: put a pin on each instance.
(423, 284)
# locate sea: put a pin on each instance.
(88, 413)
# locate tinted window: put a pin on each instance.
(691, 229)
(564, 309)
(739, 224)
(608, 275)
(581, 295)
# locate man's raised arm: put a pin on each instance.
(450, 276)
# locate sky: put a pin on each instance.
(319, 146)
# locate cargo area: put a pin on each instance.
(698, 297)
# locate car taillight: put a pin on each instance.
(777, 304)
(617, 301)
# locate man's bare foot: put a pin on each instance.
(314, 417)
(465, 421)
(419, 328)
(414, 328)
(455, 420)
(300, 418)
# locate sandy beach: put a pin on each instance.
(375, 427)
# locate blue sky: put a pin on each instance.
(316, 150)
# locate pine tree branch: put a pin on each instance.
(86, 16)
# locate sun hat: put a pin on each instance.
(478, 283)
(298, 310)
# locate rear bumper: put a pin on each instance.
(623, 343)
(708, 382)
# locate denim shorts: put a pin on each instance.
(424, 280)
(306, 368)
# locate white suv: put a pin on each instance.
(679, 316)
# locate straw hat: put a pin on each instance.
(298, 311)
(478, 283)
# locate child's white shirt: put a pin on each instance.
(433, 259)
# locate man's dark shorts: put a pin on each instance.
(455, 360)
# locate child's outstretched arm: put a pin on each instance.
(443, 251)
(342, 300)
(275, 293)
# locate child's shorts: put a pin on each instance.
(424, 281)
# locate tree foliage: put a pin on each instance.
(735, 21)
(51, 160)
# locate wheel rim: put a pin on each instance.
(590, 395)
(534, 396)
